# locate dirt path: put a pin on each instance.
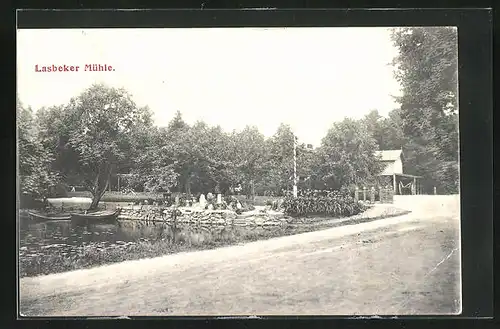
(400, 265)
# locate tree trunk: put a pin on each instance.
(99, 191)
(253, 190)
(188, 186)
(95, 202)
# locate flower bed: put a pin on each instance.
(336, 205)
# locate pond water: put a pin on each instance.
(67, 239)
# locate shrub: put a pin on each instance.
(229, 199)
(216, 206)
(246, 206)
(220, 206)
(335, 205)
(231, 202)
(184, 200)
(277, 204)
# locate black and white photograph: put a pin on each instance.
(285, 171)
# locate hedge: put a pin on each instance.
(120, 197)
(334, 206)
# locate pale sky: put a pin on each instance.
(306, 77)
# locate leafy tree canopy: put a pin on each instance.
(427, 69)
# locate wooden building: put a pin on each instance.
(393, 175)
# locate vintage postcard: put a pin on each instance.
(238, 171)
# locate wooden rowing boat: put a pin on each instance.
(47, 216)
(96, 216)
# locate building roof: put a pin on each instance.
(389, 155)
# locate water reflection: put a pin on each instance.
(65, 238)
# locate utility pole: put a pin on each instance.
(294, 166)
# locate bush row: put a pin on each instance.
(335, 205)
(119, 197)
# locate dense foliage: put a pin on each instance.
(91, 136)
(36, 178)
(333, 204)
(427, 69)
(346, 156)
(102, 132)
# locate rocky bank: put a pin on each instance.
(258, 217)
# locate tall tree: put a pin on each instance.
(280, 172)
(220, 162)
(35, 172)
(153, 168)
(175, 149)
(387, 131)
(427, 70)
(373, 122)
(393, 136)
(249, 157)
(177, 123)
(210, 164)
(307, 168)
(347, 155)
(92, 135)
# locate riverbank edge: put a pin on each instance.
(153, 249)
